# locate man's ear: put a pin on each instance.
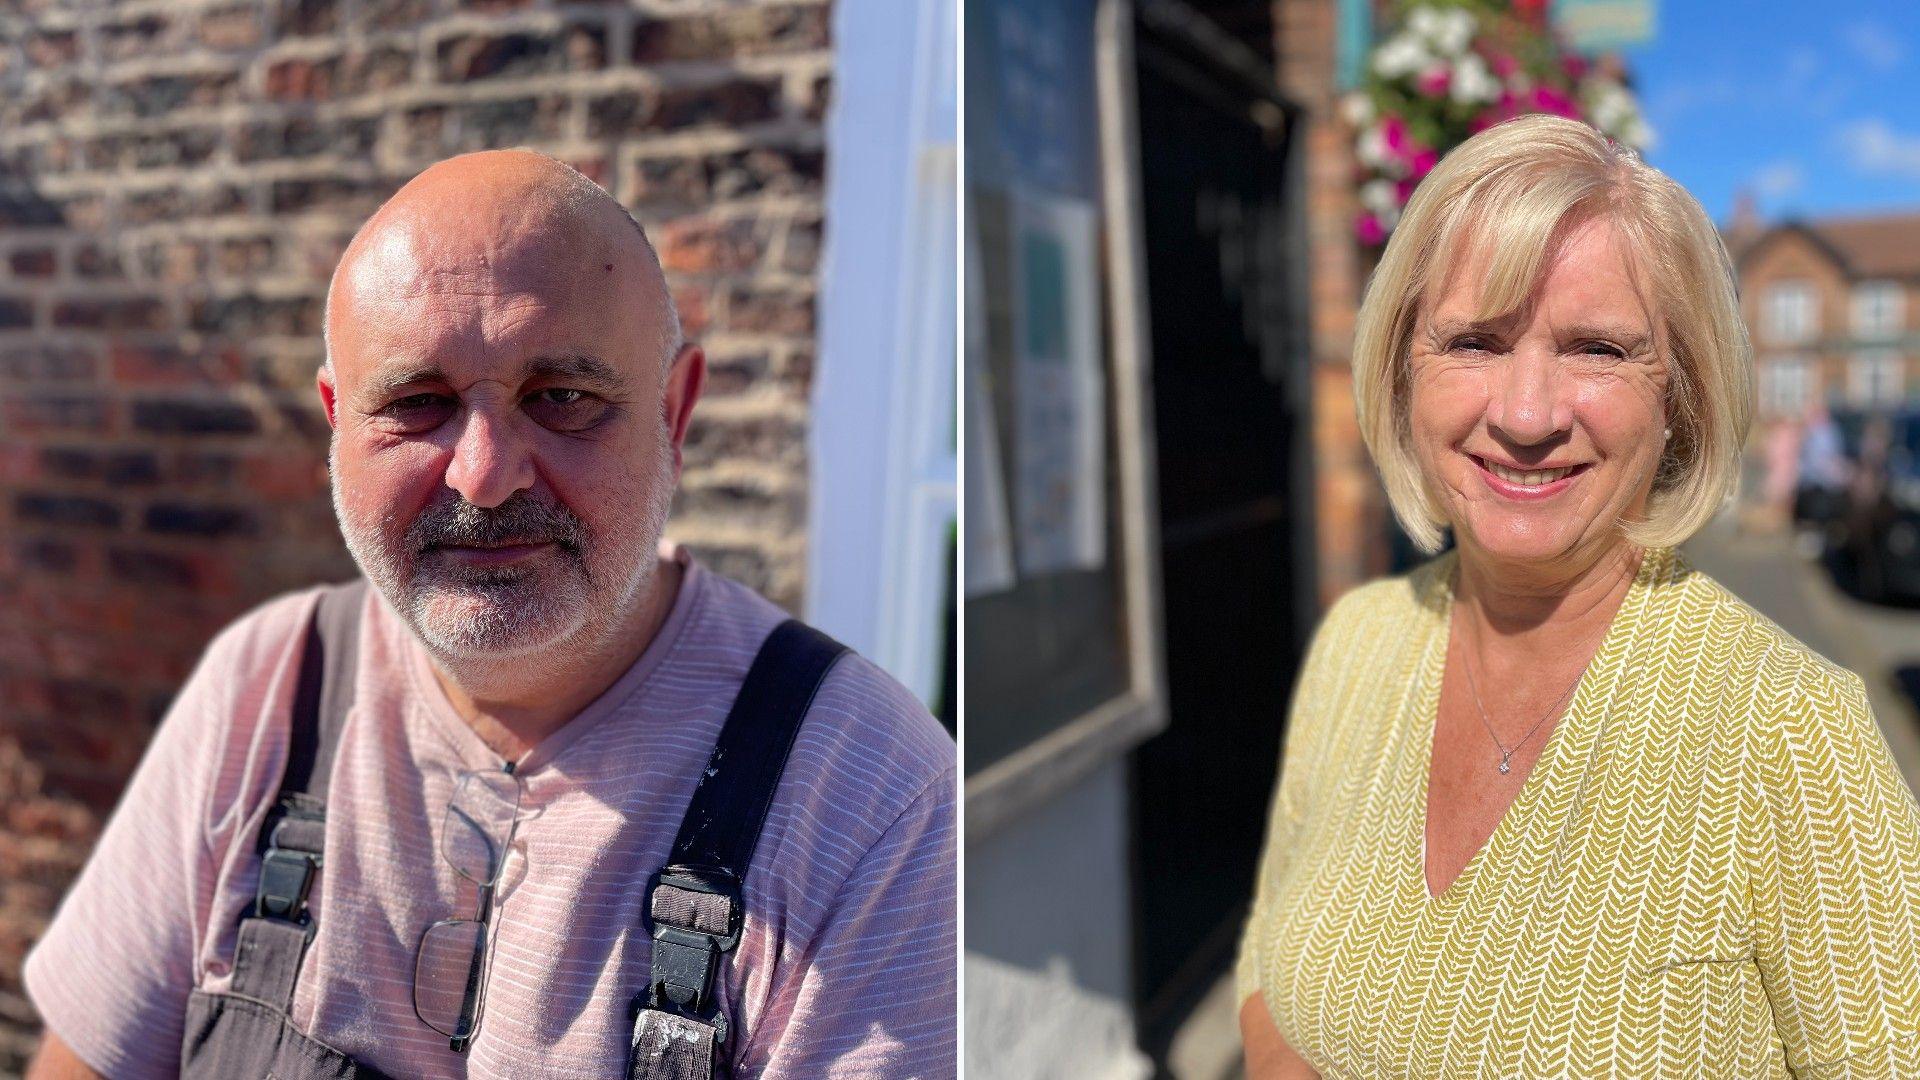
(685, 379)
(325, 381)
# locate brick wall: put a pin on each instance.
(177, 180)
(1349, 502)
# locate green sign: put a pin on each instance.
(1593, 26)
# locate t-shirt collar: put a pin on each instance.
(433, 700)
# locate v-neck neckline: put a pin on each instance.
(1548, 767)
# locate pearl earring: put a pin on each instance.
(1667, 434)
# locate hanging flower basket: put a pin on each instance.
(1452, 68)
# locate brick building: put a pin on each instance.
(177, 181)
(1833, 305)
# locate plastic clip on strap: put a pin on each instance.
(275, 932)
(695, 904)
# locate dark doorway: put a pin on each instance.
(1222, 237)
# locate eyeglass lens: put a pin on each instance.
(479, 822)
(448, 976)
(450, 967)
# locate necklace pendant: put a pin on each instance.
(1503, 765)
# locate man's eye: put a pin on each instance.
(560, 396)
(416, 401)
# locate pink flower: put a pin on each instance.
(1503, 64)
(1423, 162)
(1434, 81)
(1574, 65)
(1403, 188)
(1546, 99)
(1393, 132)
(1369, 230)
(1506, 108)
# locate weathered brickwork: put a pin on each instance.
(1349, 502)
(177, 180)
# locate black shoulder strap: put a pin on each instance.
(327, 669)
(694, 903)
(296, 825)
(275, 931)
(730, 802)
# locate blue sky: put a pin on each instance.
(1813, 106)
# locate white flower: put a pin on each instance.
(1381, 201)
(1372, 149)
(1453, 33)
(1472, 81)
(1608, 104)
(1357, 109)
(1403, 55)
(1423, 22)
(1447, 32)
(1639, 135)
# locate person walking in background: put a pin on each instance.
(1555, 803)
(1822, 477)
(566, 823)
(1782, 475)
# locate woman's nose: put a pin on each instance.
(1526, 398)
(491, 461)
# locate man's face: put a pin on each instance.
(505, 447)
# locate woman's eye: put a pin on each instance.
(1467, 344)
(1602, 348)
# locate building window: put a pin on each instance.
(1786, 386)
(1791, 316)
(1879, 310)
(1877, 377)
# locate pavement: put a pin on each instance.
(1769, 571)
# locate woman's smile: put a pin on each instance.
(1526, 484)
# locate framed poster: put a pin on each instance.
(1064, 663)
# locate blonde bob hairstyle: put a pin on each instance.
(1514, 193)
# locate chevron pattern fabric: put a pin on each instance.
(1712, 871)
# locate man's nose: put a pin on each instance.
(1527, 400)
(491, 460)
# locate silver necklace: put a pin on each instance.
(1506, 752)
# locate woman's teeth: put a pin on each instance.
(1526, 478)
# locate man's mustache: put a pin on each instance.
(519, 520)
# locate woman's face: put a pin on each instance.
(1539, 432)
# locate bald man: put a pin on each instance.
(539, 689)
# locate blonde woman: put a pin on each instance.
(1555, 803)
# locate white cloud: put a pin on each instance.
(1778, 179)
(1667, 103)
(1875, 148)
(1872, 42)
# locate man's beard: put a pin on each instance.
(588, 581)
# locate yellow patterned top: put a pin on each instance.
(1712, 871)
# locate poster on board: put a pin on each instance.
(1059, 475)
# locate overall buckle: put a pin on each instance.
(285, 878)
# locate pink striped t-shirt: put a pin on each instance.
(846, 967)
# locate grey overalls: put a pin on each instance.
(694, 903)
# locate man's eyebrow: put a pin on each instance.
(386, 381)
(573, 367)
(576, 367)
